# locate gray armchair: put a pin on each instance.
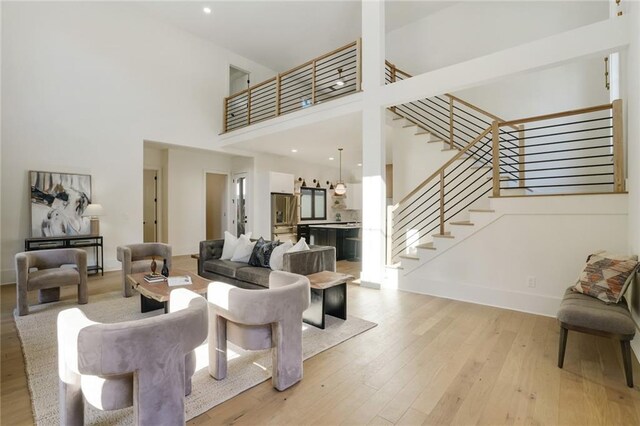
(260, 319)
(42, 271)
(146, 363)
(137, 258)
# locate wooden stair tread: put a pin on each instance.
(445, 235)
(398, 118)
(408, 125)
(427, 246)
(422, 132)
(482, 210)
(408, 256)
(436, 141)
(462, 223)
(449, 149)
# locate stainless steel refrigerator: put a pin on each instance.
(283, 217)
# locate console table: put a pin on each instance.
(78, 241)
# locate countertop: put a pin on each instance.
(337, 226)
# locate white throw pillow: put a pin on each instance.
(301, 245)
(277, 256)
(243, 250)
(230, 244)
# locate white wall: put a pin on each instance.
(547, 238)
(186, 194)
(473, 29)
(575, 85)
(414, 159)
(87, 83)
(632, 71)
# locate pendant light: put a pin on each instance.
(340, 188)
(340, 81)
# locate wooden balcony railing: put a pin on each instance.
(566, 152)
(330, 76)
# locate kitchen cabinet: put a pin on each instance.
(335, 236)
(303, 232)
(281, 183)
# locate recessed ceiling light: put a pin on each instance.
(359, 164)
(331, 158)
(207, 10)
(294, 150)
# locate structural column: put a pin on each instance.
(373, 145)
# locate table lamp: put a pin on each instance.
(93, 211)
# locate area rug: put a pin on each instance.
(37, 333)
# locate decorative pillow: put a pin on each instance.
(230, 244)
(263, 255)
(606, 276)
(301, 245)
(243, 250)
(253, 260)
(277, 256)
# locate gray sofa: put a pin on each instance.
(319, 258)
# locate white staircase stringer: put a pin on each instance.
(526, 253)
(480, 220)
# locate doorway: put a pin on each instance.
(240, 202)
(239, 79)
(216, 212)
(150, 206)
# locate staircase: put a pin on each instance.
(577, 151)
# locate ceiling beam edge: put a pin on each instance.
(600, 37)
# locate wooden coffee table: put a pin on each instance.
(156, 295)
(328, 297)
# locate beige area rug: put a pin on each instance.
(246, 369)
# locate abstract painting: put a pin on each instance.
(57, 203)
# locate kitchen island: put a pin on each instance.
(335, 235)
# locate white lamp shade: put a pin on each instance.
(340, 188)
(93, 210)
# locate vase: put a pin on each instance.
(165, 268)
(154, 265)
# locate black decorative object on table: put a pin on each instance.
(165, 268)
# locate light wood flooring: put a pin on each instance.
(429, 361)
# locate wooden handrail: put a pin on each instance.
(478, 109)
(279, 78)
(235, 95)
(254, 87)
(457, 99)
(495, 157)
(618, 148)
(555, 115)
(443, 167)
(442, 202)
(306, 64)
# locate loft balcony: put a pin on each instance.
(322, 79)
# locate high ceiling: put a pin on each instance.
(281, 34)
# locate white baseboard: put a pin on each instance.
(516, 301)
(7, 276)
(370, 284)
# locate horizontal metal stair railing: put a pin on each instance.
(561, 153)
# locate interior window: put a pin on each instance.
(313, 204)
